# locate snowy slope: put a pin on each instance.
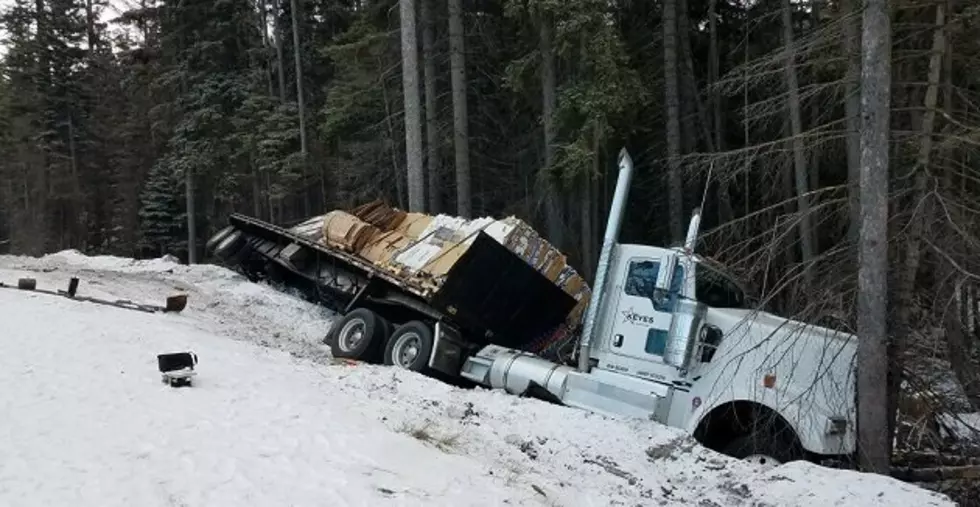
(272, 421)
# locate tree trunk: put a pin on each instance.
(696, 119)
(905, 292)
(852, 111)
(948, 92)
(77, 200)
(42, 83)
(585, 205)
(714, 69)
(264, 22)
(963, 345)
(788, 208)
(958, 347)
(191, 216)
(396, 173)
(725, 212)
(277, 16)
(796, 132)
(691, 124)
(431, 120)
(874, 451)
(300, 102)
(675, 187)
(90, 27)
(549, 86)
(255, 176)
(815, 118)
(413, 115)
(461, 136)
(746, 137)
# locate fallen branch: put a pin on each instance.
(936, 474)
(911, 459)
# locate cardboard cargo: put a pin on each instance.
(384, 245)
(346, 231)
(378, 214)
(424, 248)
(414, 225)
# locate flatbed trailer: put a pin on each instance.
(490, 295)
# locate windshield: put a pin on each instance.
(717, 290)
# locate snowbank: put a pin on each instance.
(280, 424)
(220, 299)
(108, 262)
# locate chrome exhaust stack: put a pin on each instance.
(692, 232)
(613, 224)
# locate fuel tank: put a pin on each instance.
(515, 372)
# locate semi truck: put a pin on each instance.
(667, 336)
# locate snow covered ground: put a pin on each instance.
(273, 421)
(964, 427)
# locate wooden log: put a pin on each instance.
(917, 459)
(72, 287)
(934, 474)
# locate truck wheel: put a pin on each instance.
(410, 346)
(764, 449)
(359, 335)
(217, 238)
(230, 245)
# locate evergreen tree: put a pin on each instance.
(161, 217)
(207, 70)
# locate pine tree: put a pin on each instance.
(161, 216)
(208, 70)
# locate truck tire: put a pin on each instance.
(410, 346)
(218, 238)
(230, 245)
(358, 335)
(765, 448)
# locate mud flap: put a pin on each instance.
(535, 390)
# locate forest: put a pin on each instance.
(134, 127)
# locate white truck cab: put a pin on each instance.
(723, 360)
(669, 338)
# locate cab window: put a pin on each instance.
(717, 290)
(641, 280)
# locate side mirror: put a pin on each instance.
(661, 289)
(710, 338)
(666, 272)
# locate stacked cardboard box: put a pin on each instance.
(347, 232)
(424, 247)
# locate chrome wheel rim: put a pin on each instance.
(406, 349)
(351, 334)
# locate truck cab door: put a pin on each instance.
(645, 302)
